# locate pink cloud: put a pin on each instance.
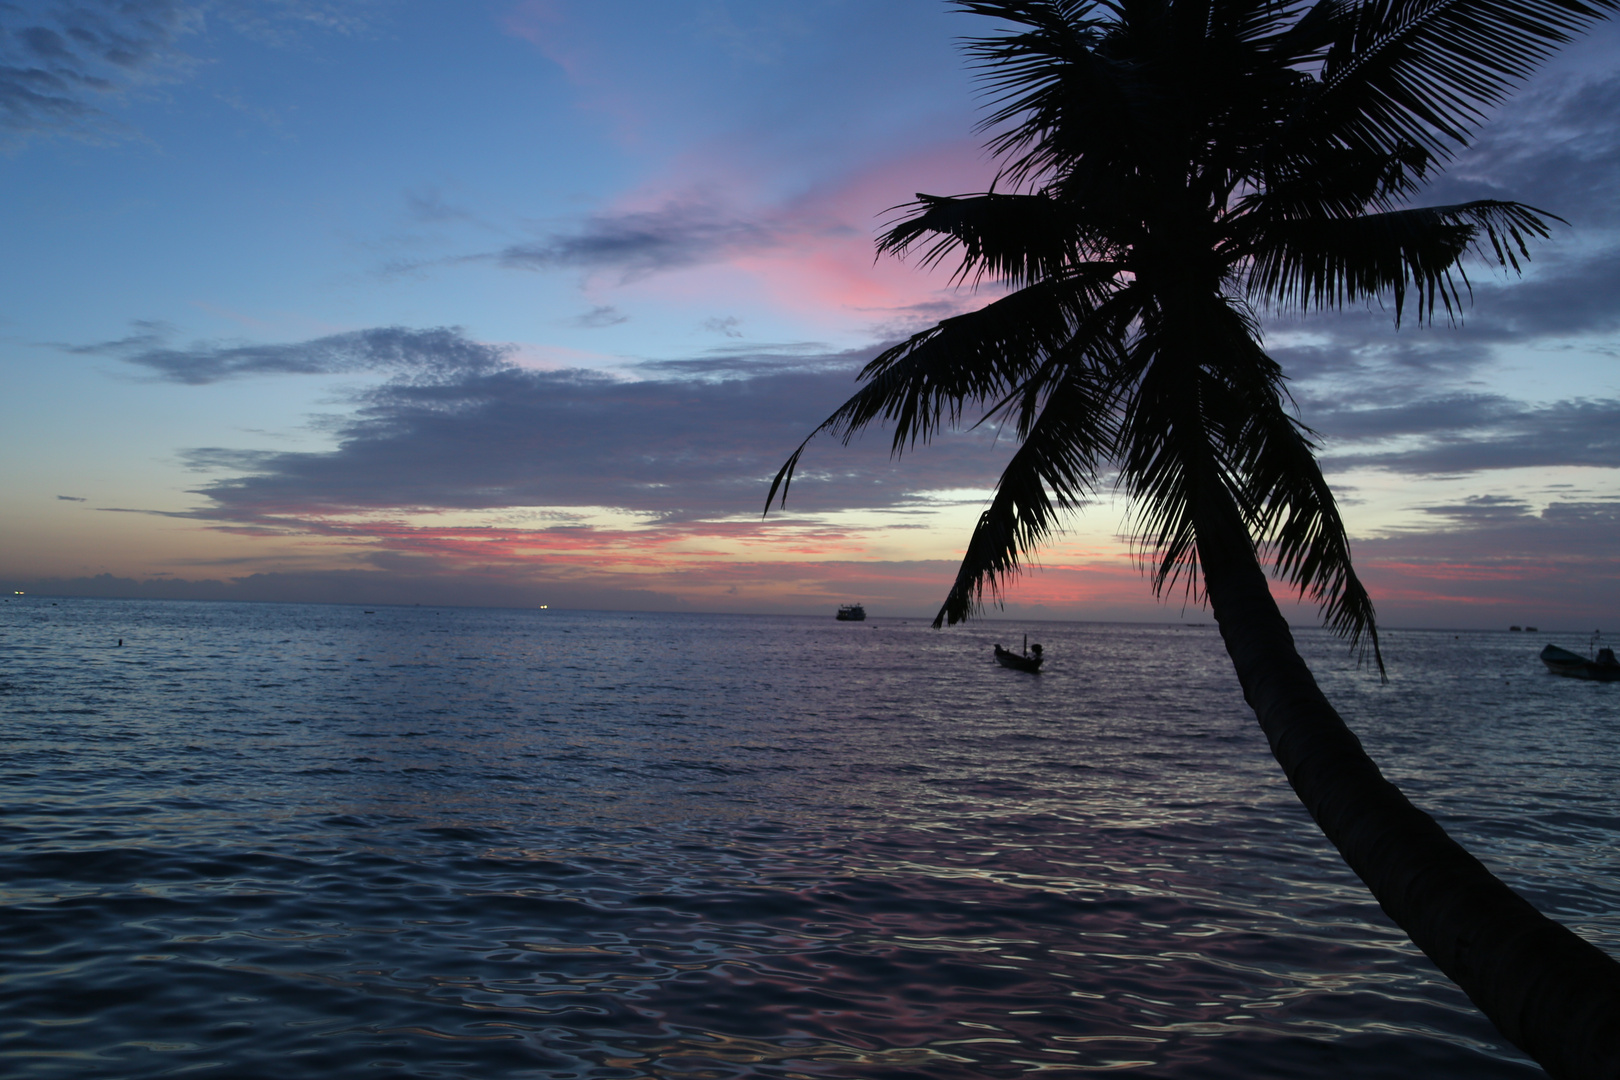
(810, 254)
(827, 263)
(535, 21)
(543, 24)
(797, 564)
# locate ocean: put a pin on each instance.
(267, 840)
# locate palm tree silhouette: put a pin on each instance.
(1171, 168)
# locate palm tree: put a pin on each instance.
(1171, 168)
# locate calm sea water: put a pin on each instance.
(287, 841)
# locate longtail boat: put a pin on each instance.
(1601, 668)
(1025, 662)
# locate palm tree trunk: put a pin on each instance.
(1553, 994)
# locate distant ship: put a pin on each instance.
(852, 613)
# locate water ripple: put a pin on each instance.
(280, 840)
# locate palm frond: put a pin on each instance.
(1168, 449)
(1196, 370)
(926, 382)
(1096, 342)
(1208, 413)
(1425, 71)
(1292, 30)
(1321, 262)
(1297, 518)
(1060, 92)
(1306, 38)
(1053, 470)
(1016, 239)
(1334, 182)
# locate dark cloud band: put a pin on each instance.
(1473, 433)
(682, 444)
(680, 233)
(59, 62)
(63, 63)
(422, 355)
(458, 427)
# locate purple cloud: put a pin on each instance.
(635, 243)
(62, 63)
(57, 68)
(420, 355)
(692, 440)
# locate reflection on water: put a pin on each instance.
(279, 840)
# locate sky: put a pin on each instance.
(522, 302)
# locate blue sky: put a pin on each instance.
(519, 302)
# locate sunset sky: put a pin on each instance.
(523, 303)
